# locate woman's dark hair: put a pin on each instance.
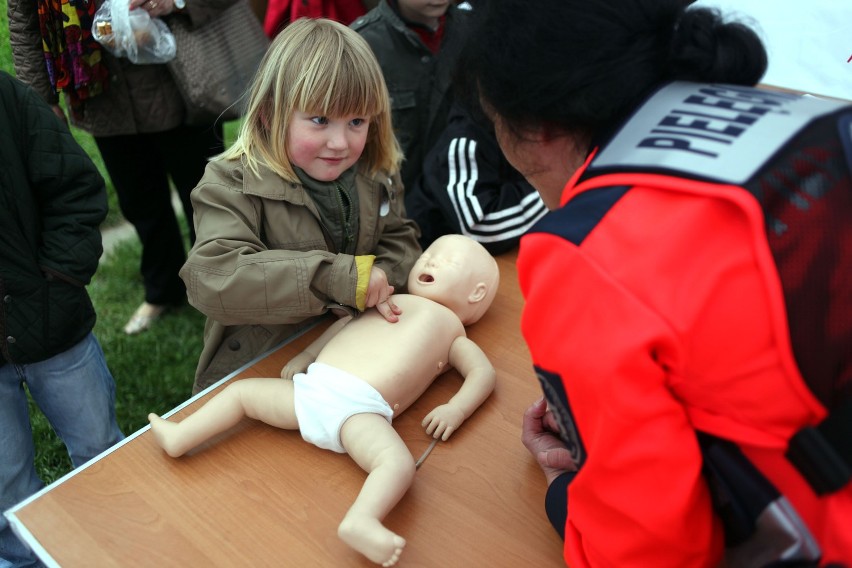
(583, 65)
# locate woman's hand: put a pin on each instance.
(540, 437)
(155, 8)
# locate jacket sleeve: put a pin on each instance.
(468, 187)
(69, 190)
(235, 277)
(398, 247)
(201, 12)
(639, 497)
(27, 54)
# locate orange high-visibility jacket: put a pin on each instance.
(698, 272)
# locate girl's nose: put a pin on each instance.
(336, 138)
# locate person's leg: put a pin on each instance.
(267, 400)
(137, 168)
(186, 151)
(377, 449)
(76, 392)
(18, 477)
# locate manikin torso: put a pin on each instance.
(401, 359)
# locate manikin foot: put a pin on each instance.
(369, 537)
(164, 433)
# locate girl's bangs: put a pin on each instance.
(341, 89)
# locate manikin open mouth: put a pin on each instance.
(425, 278)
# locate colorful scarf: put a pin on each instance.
(72, 55)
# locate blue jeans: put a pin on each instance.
(76, 392)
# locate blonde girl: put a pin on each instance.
(304, 213)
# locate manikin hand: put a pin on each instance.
(298, 364)
(443, 421)
(379, 295)
(540, 438)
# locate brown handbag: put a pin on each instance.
(215, 63)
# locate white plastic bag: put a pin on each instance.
(133, 34)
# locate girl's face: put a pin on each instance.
(325, 147)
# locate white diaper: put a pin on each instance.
(326, 397)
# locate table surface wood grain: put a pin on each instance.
(261, 496)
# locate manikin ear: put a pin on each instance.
(478, 294)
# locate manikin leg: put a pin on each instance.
(377, 448)
(267, 400)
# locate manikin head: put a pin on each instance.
(459, 273)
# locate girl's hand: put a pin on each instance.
(379, 295)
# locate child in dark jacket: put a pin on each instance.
(52, 201)
(417, 45)
(468, 187)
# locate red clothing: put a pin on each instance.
(431, 38)
(279, 13)
(653, 303)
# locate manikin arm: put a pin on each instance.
(479, 380)
(300, 363)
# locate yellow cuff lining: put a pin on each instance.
(364, 265)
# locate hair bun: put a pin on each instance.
(707, 49)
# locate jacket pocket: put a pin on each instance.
(404, 116)
(234, 352)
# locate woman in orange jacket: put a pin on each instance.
(689, 297)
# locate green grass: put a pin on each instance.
(153, 370)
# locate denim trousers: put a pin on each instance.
(76, 392)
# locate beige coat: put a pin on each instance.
(262, 267)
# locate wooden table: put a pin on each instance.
(261, 496)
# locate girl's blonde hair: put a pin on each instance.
(321, 67)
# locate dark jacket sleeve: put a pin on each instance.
(556, 502)
(69, 191)
(468, 187)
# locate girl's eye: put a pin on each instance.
(357, 121)
(319, 120)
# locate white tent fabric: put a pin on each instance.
(809, 43)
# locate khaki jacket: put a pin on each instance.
(263, 267)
